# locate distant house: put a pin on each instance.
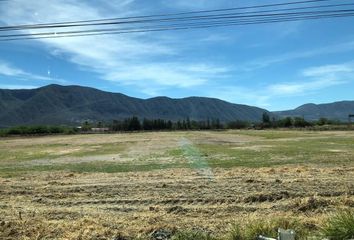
(99, 130)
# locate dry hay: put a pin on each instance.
(67, 205)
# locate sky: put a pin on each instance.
(275, 66)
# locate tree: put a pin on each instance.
(147, 124)
(216, 124)
(300, 122)
(169, 125)
(188, 122)
(99, 124)
(134, 124)
(86, 126)
(184, 125)
(208, 124)
(322, 121)
(117, 126)
(238, 124)
(179, 125)
(287, 122)
(266, 118)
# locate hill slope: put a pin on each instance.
(55, 104)
(335, 111)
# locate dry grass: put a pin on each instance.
(137, 203)
(47, 204)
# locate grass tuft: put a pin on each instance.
(251, 229)
(192, 235)
(339, 226)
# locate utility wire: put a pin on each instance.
(181, 27)
(218, 20)
(168, 28)
(220, 16)
(180, 23)
(76, 23)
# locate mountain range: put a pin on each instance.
(55, 104)
(335, 111)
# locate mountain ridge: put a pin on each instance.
(71, 105)
(56, 104)
(311, 111)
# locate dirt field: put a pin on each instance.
(100, 186)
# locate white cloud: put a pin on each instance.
(7, 70)
(312, 80)
(10, 86)
(124, 59)
(241, 95)
(11, 71)
(287, 88)
(217, 38)
(271, 60)
(329, 70)
(316, 78)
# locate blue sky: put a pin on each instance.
(275, 66)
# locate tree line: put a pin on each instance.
(135, 124)
(38, 130)
(294, 122)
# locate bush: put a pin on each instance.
(339, 226)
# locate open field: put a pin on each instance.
(97, 186)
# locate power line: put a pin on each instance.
(57, 24)
(168, 28)
(219, 16)
(185, 22)
(211, 21)
(181, 27)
